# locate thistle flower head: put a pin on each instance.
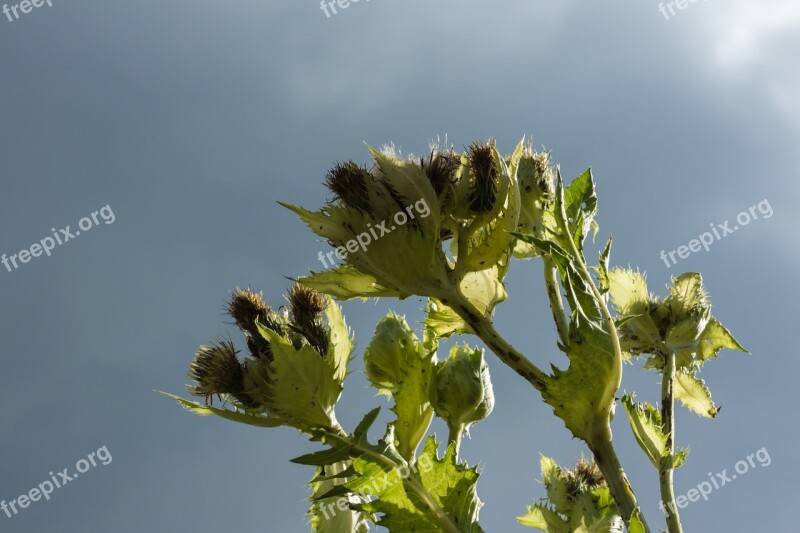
(348, 182)
(440, 169)
(216, 371)
(306, 304)
(483, 188)
(246, 307)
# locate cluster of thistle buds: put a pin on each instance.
(255, 383)
(477, 199)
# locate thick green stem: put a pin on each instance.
(608, 463)
(484, 329)
(556, 303)
(456, 432)
(665, 473)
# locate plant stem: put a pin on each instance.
(556, 303)
(602, 448)
(456, 432)
(608, 463)
(665, 473)
(484, 329)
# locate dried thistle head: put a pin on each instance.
(348, 182)
(440, 169)
(306, 304)
(483, 190)
(246, 307)
(217, 371)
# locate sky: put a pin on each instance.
(180, 125)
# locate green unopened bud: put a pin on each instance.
(387, 354)
(687, 332)
(462, 389)
(689, 312)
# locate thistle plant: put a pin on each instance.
(484, 211)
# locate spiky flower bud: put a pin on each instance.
(462, 391)
(348, 182)
(483, 188)
(689, 312)
(217, 371)
(306, 304)
(440, 169)
(584, 478)
(248, 309)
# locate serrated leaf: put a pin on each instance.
(323, 457)
(450, 486)
(365, 424)
(235, 416)
(303, 385)
(629, 292)
(693, 394)
(345, 282)
(647, 427)
(409, 182)
(341, 340)
(332, 504)
(484, 289)
(716, 337)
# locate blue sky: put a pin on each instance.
(191, 119)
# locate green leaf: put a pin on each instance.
(323, 457)
(341, 340)
(335, 513)
(580, 204)
(484, 289)
(303, 387)
(629, 292)
(647, 427)
(409, 182)
(716, 337)
(451, 487)
(242, 417)
(345, 282)
(361, 430)
(693, 394)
